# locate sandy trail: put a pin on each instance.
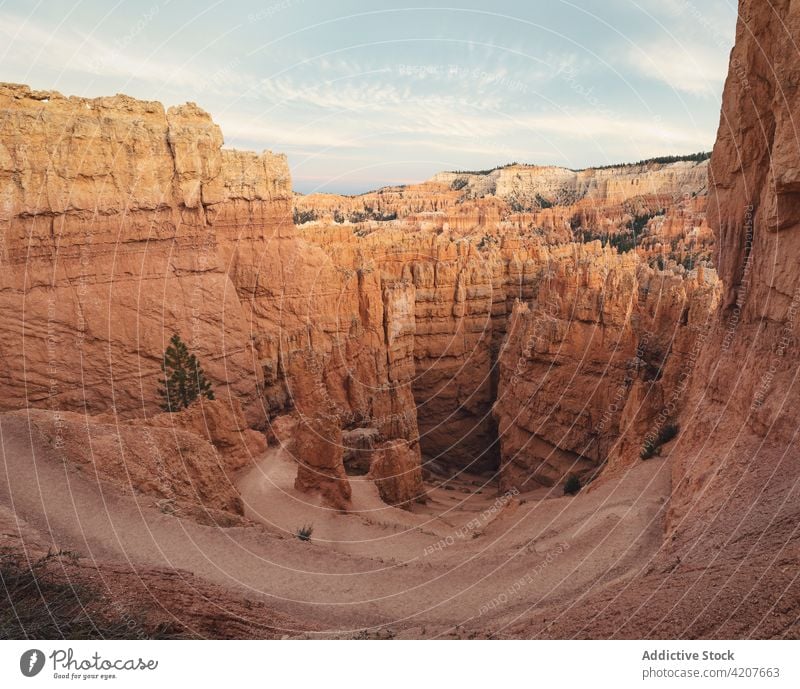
(454, 561)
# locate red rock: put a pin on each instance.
(397, 473)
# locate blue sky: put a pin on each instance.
(362, 94)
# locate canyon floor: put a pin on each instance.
(467, 561)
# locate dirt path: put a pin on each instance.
(464, 559)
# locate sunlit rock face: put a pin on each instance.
(606, 322)
(592, 360)
(125, 223)
(743, 425)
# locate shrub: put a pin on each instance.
(184, 380)
(40, 602)
(518, 205)
(301, 217)
(638, 223)
(357, 217)
(370, 213)
(623, 241)
(667, 433)
(658, 263)
(572, 485)
(459, 183)
(652, 447)
(304, 532)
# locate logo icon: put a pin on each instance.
(31, 662)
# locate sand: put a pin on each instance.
(468, 559)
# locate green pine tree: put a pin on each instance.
(184, 380)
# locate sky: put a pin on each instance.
(362, 94)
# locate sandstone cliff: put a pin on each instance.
(592, 360)
(123, 223)
(178, 469)
(553, 201)
(618, 314)
(731, 553)
(546, 185)
(355, 343)
(739, 457)
(113, 215)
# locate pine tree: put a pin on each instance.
(184, 380)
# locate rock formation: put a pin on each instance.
(730, 556)
(110, 215)
(220, 422)
(527, 322)
(601, 316)
(531, 185)
(740, 449)
(550, 201)
(592, 359)
(397, 474)
(125, 223)
(315, 440)
(183, 472)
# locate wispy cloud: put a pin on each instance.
(258, 130)
(363, 95)
(31, 46)
(329, 95)
(587, 125)
(697, 69)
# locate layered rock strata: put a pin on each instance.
(731, 552)
(616, 319)
(123, 223)
(592, 361)
(740, 457)
(181, 470)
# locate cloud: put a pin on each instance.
(257, 130)
(694, 68)
(31, 46)
(327, 95)
(388, 104)
(587, 125)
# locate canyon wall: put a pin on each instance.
(727, 567)
(532, 184)
(609, 328)
(123, 223)
(739, 462)
(549, 201)
(592, 360)
(109, 247)
(451, 299)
